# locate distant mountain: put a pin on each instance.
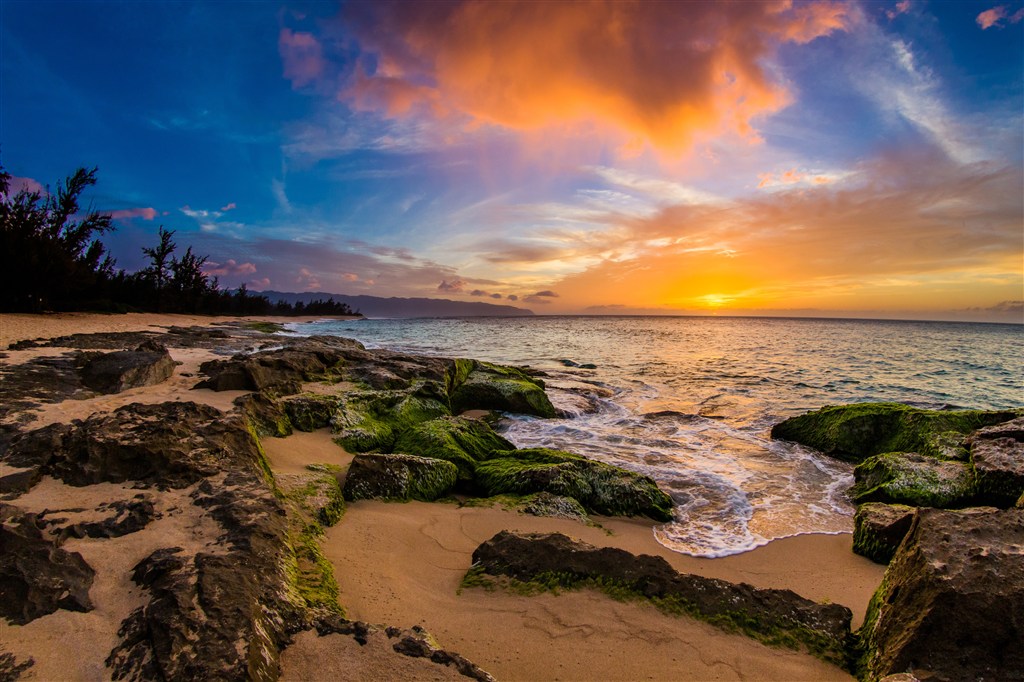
(376, 306)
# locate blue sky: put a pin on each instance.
(794, 158)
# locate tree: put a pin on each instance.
(159, 269)
(50, 254)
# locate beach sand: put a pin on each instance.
(401, 564)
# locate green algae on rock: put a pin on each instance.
(536, 562)
(854, 432)
(459, 440)
(495, 387)
(878, 529)
(399, 477)
(910, 478)
(599, 487)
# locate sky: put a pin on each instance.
(855, 159)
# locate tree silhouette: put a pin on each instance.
(50, 254)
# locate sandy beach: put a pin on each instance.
(401, 564)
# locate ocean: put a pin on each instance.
(690, 401)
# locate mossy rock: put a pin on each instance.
(265, 414)
(913, 479)
(310, 412)
(458, 440)
(854, 432)
(372, 420)
(399, 477)
(601, 488)
(316, 493)
(495, 387)
(554, 506)
(878, 529)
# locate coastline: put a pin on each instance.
(401, 563)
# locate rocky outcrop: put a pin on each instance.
(147, 365)
(878, 529)
(555, 506)
(399, 477)
(910, 478)
(36, 576)
(854, 432)
(129, 516)
(166, 445)
(774, 616)
(218, 614)
(493, 387)
(599, 487)
(997, 453)
(951, 605)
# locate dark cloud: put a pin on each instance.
(478, 292)
(547, 293)
(495, 295)
(452, 286)
(513, 297)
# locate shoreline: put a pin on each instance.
(402, 563)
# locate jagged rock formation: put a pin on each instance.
(774, 616)
(147, 365)
(36, 576)
(997, 453)
(951, 605)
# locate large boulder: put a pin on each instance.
(910, 478)
(998, 456)
(459, 440)
(36, 576)
(399, 477)
(854, 432)
(951, 605)
(494, 387)
(147, 365)
(878, 529)
(599, 487)
(282, 370)
(774, 616)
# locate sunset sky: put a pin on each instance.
(811, 158)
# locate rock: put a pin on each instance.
(910, 478)
(998, 456)
(461, 441)
(167, 445)
(11, 669)
(601, 488)
(222, 614)
(878, 529)
(555, 506)
(399, 477)
(493, 387)
(16, 483)
(951, 603)
(36, 576)
(149, 364)
(282, 370)
(317, 492)
(130, 516)
(310, 412)
(854, 432)
(774, 616)
(266, 414)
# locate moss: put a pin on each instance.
(455, 439)
(309, 412)
(313, 575)
(908, 478)
(790, 635)
(457, 374)
(854, 432)
(262, 461)
(399, 477)
(495, 387)
(320, 498)
(371, 420)
(601, 488)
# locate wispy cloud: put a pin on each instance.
(994, 17)
(123, 214)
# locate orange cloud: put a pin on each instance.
(994, 17)
(792, 176)
(657, 73)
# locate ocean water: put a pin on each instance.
(690, 400)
